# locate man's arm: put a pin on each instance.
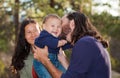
(55, 73)
(42, 56)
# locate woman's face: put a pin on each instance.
(32, 31)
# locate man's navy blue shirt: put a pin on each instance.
(46, 39)
(89, 59)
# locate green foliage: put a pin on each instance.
(6, 25)
(108, 25)
(115, 64)
(68, 53)
(3, 45)
(2, 67)
(6, 36)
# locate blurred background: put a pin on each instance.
(104, 14)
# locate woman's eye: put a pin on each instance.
(28, 32)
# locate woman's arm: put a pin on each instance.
(42, 56)
(62, 58)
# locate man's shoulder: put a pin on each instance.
(86, 39)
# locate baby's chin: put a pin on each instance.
(55, 35)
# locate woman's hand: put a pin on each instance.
(40, 54)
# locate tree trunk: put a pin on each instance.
(52, 3)
(16, 18)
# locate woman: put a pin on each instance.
(23, 56)
(89, 58)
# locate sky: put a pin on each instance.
(114, 10)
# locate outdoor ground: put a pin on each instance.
(6, 59)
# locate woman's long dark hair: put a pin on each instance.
(22, 48)
(84, 27)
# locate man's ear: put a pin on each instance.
(43, 26)
(72, 24)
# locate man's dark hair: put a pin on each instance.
(84, 27)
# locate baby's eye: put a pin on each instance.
(52, 25)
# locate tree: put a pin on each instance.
(16, 17)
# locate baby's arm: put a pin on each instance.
(61, 43)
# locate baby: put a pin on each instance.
(49, 36)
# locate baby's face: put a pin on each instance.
(53, 26)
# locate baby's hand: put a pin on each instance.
(61, 43)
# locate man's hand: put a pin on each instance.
(61, 55)
(40, 54)
(62, 58)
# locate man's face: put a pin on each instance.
(65, 22)
(66, 28)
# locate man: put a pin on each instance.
(89, 58)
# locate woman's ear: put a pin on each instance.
(72, 24)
